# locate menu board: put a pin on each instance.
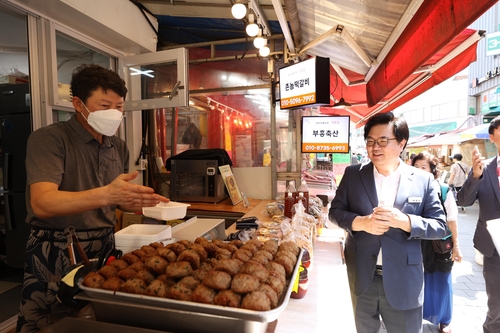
(230, 182)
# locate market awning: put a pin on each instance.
(453, 58)
(476, 132)
(440, 139)
(434, 46)
(432, 128)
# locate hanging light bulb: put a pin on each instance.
(264, 50)
(239, 10)
(252, 28)
(259, 41)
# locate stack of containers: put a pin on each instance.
(136, 235)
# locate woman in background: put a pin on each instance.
(438, 291)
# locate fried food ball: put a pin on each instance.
(191, 256)
(236, 242)
(179, 269)
(156, 264)
(176, 247)
(232, 248)
(108, 271)
(271, 293)
(185, 242)
(277, 267)
(157, 288)
(217, 280)
(138, 266)
(166, 253)
(250, 247)
(288, 254)
(119, 264)
(126, 273)
(130, 258)
(264, 253)
(199, 274)
(218, 242)
(255, 241)
(200, 240)
(134, 286)
(287, 264)
(222, 253)
(290, 246)
(270, 246)
(256, 300)
(113, 283)
(93, 280)
(275, 281)
(168, 280)
(157, 245)
(243, 255)
(229, 265)
(244, 283)
(210, 248)
(145, 275)
(260, 258)
(227, 298)
(139, 253)
(148, 249)
(256, 269)
(180, 291)
(200, 250)
(277, 275)
(190, 281)
(203, 294)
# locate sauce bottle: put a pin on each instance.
(304, 189)
(302, 198)
(291, 189)
(289, 202)
(301, 284)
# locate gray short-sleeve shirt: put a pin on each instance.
(68, 155)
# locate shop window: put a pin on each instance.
(69, 51)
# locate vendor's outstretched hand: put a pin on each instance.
(132, 197)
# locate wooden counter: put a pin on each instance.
(224, 206)
(224, 209)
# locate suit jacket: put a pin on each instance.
(403, 275)
(487, 191)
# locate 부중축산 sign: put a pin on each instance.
(325, 134)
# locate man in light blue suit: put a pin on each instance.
(483, 185)
(387, 207)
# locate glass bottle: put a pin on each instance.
(289, 202)
(301, 284)
(304, 189)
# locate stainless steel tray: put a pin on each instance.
(180, 316)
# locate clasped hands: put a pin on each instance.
(381, 220)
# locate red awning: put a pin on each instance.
(435, 34)
(412, 86)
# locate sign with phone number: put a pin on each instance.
(298, 100)
(321, 148)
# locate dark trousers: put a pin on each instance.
(373, 305)
(491, 273)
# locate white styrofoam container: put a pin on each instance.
(136, 235)
(166, 211)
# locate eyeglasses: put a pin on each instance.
(382, 142)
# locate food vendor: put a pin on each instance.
(77, 175)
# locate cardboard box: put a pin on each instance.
(131, 218)
(9, 79)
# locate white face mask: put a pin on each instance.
(104, 122)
